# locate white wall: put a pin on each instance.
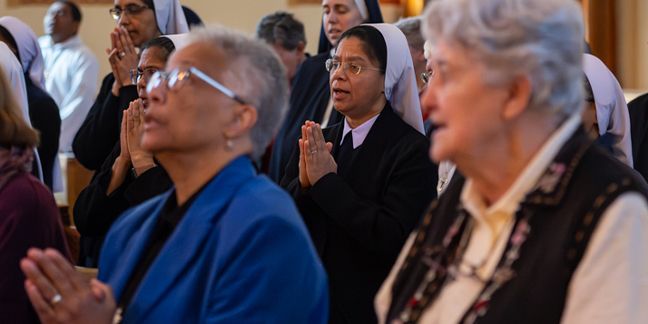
(238, 14)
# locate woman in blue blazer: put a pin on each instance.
(223, 245)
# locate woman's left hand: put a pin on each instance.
(58, 293)
(319, 161)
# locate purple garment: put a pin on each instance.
(29, 217)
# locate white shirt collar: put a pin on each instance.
(525, 182)
(360, 132)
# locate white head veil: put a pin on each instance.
(611, 108)
(362, 7)
(16, 79)
(400, 79)
(170, 17)
(28, 49)
(179, 40)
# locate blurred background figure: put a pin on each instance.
(14, 72)
(310, 97)
(29, 216)
(286, 35)
(138, 22)
(43, 111)
(411, 27)
(605, 115)
(71, 69)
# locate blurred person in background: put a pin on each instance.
(71, 69)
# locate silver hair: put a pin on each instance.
(265, 86)
(542, 39)
(411, 27)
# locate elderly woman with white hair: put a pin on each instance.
(546, 227)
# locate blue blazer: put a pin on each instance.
(241, 254)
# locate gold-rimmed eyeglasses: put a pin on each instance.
(136, 75)
(332, 66)
(129, 10)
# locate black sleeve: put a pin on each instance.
(94, 212)
(100, 130)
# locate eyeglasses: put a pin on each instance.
(333, 66)
(425, 77)
(57, 13)
(129, 10)
(136, 75)
(176, 78)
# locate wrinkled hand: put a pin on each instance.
(135, 130)
(48, 274)
(122, 57)
(315, 160)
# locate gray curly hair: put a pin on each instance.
(542, 39)
(265, 86)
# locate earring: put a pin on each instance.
(229, 144)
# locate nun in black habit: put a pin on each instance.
(362, 184)
(310, 94)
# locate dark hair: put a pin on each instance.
(281, 28)
(76, 13)
(373, 43)
(11, 41)
(161, 42)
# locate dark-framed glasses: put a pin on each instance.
(425, 76)
(136, 75)
(332, 66)
(129, 10)
(176, 78)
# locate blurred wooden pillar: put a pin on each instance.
(78, 178)
(600, 22)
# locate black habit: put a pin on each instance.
(638, 109)
(360, 221)
(100, 130)
(45, 118)
(94, 212)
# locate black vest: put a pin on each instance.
(562, 213)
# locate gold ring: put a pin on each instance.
(313, 152)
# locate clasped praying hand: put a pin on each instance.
(58, 293)
(315, 159)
